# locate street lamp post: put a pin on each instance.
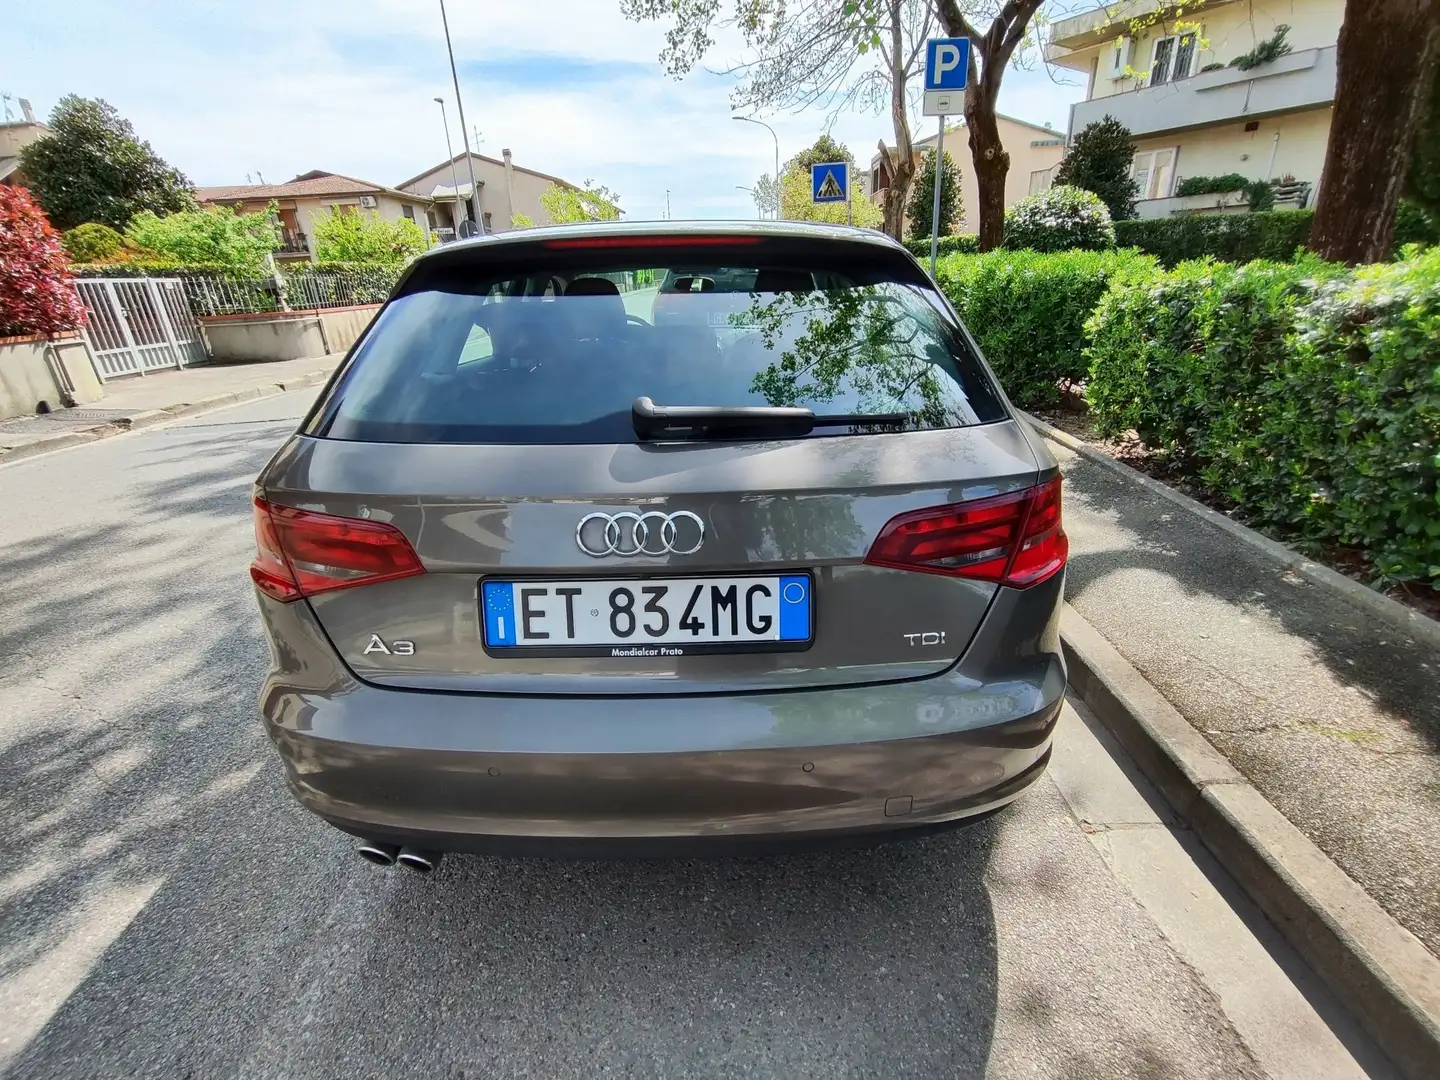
(455, 180)
(759, 210)
(767, 127)
(464, 135)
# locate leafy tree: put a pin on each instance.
(766, 194)
(795, 202)
(1100, 160)
(824, 149)
(522, 221)
(92, 167)
(1383, 98)
(841, 57)
(217, 236)
(592, 202)
(37, 295)
(922, 198)
(366, 238)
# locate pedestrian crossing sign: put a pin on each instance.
(829, 182)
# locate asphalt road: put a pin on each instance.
(167, 911)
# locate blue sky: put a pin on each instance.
(278, 88)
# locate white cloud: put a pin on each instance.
(279, 88)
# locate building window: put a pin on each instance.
(1154, 172)
(1172, 59)
(408, 211)
(1041, 180)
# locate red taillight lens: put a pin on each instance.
(1014, 539)
(301, 553)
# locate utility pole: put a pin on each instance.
(464, 135)
(667, 204)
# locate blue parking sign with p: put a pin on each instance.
(947, 63)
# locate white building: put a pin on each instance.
(1192, 112)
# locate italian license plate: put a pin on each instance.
(645, 617)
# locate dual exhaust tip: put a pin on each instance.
(422, 862)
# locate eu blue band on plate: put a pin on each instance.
(794, 608)
(500, 612)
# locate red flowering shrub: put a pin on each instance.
(37, 295)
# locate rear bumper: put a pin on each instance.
(655, 774)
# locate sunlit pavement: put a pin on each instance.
(167, 911)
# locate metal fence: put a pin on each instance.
(303, 289)
(135, 325)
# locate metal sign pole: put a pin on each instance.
(939, 183)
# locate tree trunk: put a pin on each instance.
(901, 164)
(1385, 63)
(991, 164)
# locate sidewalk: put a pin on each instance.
(136, 402)
(1332, 713)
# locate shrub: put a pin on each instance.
(1061, 219)
(920, 210)
(1100, 160)
(1212, 185)
(92, 241)
(1028, 311)
(366, 238)
(218, 236)
(954, 244)
(36, 293)
(1231, 237)
(1413, 225)
(1306, 394)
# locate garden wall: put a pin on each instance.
(286, 335)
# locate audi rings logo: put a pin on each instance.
(628, 534)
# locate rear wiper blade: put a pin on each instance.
(698, 421)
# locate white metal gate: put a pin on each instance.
(135, 325)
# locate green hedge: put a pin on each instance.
(954, 244)
(1237, 238)
(1028, 311)
(1306, 394)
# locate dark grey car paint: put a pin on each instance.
(864, 731)
(806, 504)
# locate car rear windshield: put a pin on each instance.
(557, 350)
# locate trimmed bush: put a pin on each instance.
(1235, 238)
(1305, 394)
(92, 241)
(1060, 219)
(1028, 311)
(954, 244)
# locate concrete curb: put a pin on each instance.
(1404, 619)
(1376, 967)
(151, 417)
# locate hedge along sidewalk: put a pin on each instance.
(133, 403)
(1330, 711)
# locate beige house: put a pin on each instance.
(15, 135)
(1035, 150)
(313, 195)
(507, 191)
(1269, 122)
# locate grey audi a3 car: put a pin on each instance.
(657, 536)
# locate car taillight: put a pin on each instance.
(301, 553)
(1014, 539)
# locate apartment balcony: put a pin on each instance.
(292, 242)
(1298, 80)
